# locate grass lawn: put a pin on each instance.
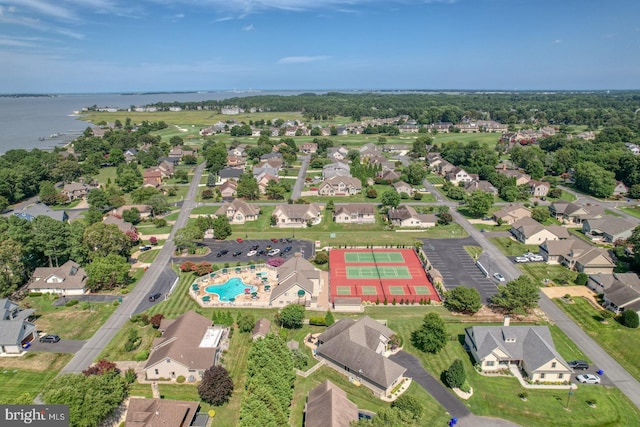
(511, 247)
(558, 274)
(115, 351)
(435, 179)
(106, 174)
(620, 342)
(473, 251)
(71, 323)
(566, 196)
(172, 216)
(33, 372)
(493, 227)
(488, 139)
(635, 210)
(148, 256)
(152, 230)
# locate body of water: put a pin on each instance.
(44, 122)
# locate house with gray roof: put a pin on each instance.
(238, 211)
(16, 331)
(574, 213)
(299, 282)
(340, 186)
(530, 232)
(328, 406)
(355, 213)
(37, 209)
(577, 255)
(229, 173)
(512, 213)
(403, 187)
(261, 329)
(621, 291)
(68, 279)
(360, 349)
(406, 216)
(290, 216)
(530, 348)
(188, 346)
(335, 169)
(609, 228)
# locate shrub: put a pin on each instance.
(153, 240)
(300, 360)
(35, 294)
(130, 376)
(321, 258)
(116, 303)
(328, 318)
(410, 405)
(181, 379)
(317, 321)
(607, 314)
(142, 355)
(100, 368)
(71, 303)
(155, 320)
(84, 305)
(216, 386)
(630, 319)
(455, 375)
(582, 279)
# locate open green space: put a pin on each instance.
(436, 179)
(633, 210)
(511, 247)
(541, 272)
(618, 341)
(493, 227)
(28, 374)
(115, 351)
(488, 139)
(152, 230)
(148, 256)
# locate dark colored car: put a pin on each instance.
(262, 252)
(287, 249)
(145, 248)
(50, 339)
(154, 297)
(578, 364)
(222, 252)
(236, 253)
(255, 247)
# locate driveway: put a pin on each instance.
(456, 266)
(304, 246)
(62, 346)
(443, 395)
(162, 285)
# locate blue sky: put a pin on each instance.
(171, 45)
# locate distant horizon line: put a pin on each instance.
(251, 90)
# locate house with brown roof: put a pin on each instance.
(180, 152)
(299, 282)
(122, 225)
(575, 213)
(388, 175)
(608, 229)
(480, 185)
(16, 330)
(519, 177)
(166, 168)
(577, 255)
(406, 216)
(263, 179)
(188, 346)
(228, 189)
(355, 213)
(328, 406)
(142, 412)
(68, 279)
(309, 147)
(76, 190)
(539, 188)
(289, 216)
(340, 186)
(359, 350)
(152, 177)
(530, 232)
(403, 187)
(512, 213)
(144, 210)
(261, 329)
(238, 211)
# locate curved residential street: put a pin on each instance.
(92, 348)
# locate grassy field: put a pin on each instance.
(634, 210)
(540, 271)
(488, 139)
(511, 247)
(152, 230)
(148, 256)
(115, 351)
(493, 227)
(28, 374)
(473, 251)
(435, 179)
(620, 342)
(78, 322)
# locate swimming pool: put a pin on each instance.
(230, 289)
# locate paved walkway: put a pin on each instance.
(442, 394)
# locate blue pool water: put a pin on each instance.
(230, 289)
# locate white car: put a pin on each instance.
(522, 259)
(273, 252)
(499, 277)
(536, 258)
(252, 253)
(588, 379)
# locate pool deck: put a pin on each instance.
(248, 277)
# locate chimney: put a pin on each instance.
(507, 320)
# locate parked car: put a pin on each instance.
(578, 364)
(50, 339)
(145, 248)
(262, 252)
(274, 240)
(287, 249)
(274, 252)
(268, 247)
(155, 297)
(588, 379)
(522, 259)
(499, 277)
(236, 253)
(222, 252)
(239, 240)
(252, 253)
(536, 258)
(254, 247)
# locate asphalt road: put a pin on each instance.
(297, 187)
(130, 304)
(304, 246)
(456, 266)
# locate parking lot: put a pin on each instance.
(456, 266)
(243, 247)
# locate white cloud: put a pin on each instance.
(301, 59)
(44, 8)
(248, 27)
(226, 18)
(557, 41)
(179, 16)
(17, 42)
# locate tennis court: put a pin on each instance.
(373, 256)
(379, 275)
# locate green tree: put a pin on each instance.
(12, 268)
(582, 279)
(221, 227)
(416, 173)
(186, 238)
(463, 300)
(479, 202)
(629, 318)
(93, 215)
(48, 193)
(102, 239)
(455, 376)
(107, 272)
(594, 180)
(216, 386)
(246, 323)
(410, 405)
(216, 157)
(98, 198)
(131, 215)
(143, 194)
(248, 187)
(540, 213)
(445, 218)
(275, 190)
(390, 198)
(328, 318)
(456, 193)
(181, 176)
(4, 204)
(291, 316)
(159, 204)
(432, 335)
(52, 238)
(518, 296)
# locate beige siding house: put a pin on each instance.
(340, 186)
(356, 213)
(238, 211)
(299, 282)
(68, 279)
(290, 216)
(531, 232)
(406, 216)
(511, 214)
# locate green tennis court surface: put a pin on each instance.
(368, 290)
(396, 290)
(355, 257)
(421, 290)
(375, 272)
(343, 290)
